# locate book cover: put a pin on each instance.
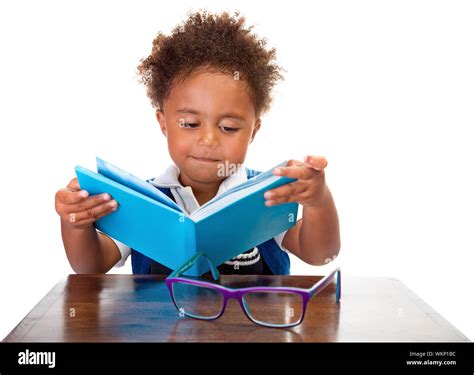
(150, 222)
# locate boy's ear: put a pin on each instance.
(161, 120)
(256, 128)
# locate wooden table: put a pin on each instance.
(124, 308)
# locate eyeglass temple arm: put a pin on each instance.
(190, 262)
(321, 284)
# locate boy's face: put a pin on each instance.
(209, 121)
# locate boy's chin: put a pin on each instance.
(204, 175)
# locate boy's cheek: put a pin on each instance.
(178, 155)
(178, 146)
(235, 152)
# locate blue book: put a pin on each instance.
(150, 222)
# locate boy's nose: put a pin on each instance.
(208, 137)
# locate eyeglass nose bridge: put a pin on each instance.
(229, 294)
(238, 295)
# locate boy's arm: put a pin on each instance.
(87, 250)
(315, 238)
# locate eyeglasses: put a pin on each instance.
(277, 307)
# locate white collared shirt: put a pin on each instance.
(185, 198)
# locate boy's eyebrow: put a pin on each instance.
(187, 110)
(226, 115)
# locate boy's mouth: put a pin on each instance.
(205, 160)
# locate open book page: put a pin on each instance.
(244, 185)
(214, 205)
(118, 175)
(237, 192)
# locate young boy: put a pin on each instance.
(210, 81)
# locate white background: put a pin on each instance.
(383, 89)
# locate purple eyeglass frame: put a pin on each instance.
(238, 293)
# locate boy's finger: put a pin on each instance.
(69, 196)
(89, 203)
(74, 184)
(299, 172)
(90, 220)
(293, 162)
(317, 162)
(280, 200)
(286, 190)
(92, 213)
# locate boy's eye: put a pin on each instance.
(190, 125)
(228, 129)
(193, 125)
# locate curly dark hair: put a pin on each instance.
(217, 42)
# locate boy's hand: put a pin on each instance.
(79, 210)
(310, 188)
